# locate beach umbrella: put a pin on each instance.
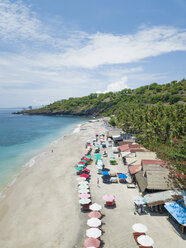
(94, 222)
(83, 183)
(84, 175)
(138, 227)
(86, 159)
(83, 191)
(88, 156)
(95, 207)
(105, 173)
(87, 170)
(94, 214)
(82, 162)
(108, 198)
(138, 200)
(81, 186)
(145, 240)
(79, 168)
(122, 176)
(84, 201)
(82, 196)
(97, 156)
(93, 233)
(92, 242)
(80, 179)
(81, 165)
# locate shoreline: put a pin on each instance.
(40, 152)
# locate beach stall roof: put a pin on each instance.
(177, 211)
(155, 199)
(133, 169)
(123, 148)
(133, 160)
(141, 180)
(146, 155)
(159, 180)
(112, 133)
(124, 154)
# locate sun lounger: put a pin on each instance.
(136, 235)
(85, 207)
(145, 246)
(114, 180)
(110, 204)
(131, 186)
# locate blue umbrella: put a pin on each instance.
(122, 176)
(105, 173)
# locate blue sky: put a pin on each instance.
(51, 50)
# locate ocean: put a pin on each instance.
(24, 136)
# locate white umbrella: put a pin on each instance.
(93, 233)
(93, 222)
(83, 191)
(81, 178)
(138, 227)
(83, 183)
(83, 186)
(95, 207)
(84, 201)
(145, 240)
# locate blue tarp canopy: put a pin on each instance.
(105, 173)
(122, 176)
(177, 211)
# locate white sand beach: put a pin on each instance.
(41, 209)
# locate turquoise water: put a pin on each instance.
(22, 137)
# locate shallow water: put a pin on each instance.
(22, 137)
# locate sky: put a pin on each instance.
(52, 50)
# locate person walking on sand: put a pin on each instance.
(97, 181)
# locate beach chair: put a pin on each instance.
(85, 207)
(145, 246)
(110, 204)
(136, 236)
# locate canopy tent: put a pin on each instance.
(122, 176)
(177, 211)
(105, 173)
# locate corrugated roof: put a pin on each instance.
(141, 180)
(159, 180)
(123, 148)
(134, 168)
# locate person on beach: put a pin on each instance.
(97, 181)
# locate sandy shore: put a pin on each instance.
(41, 209)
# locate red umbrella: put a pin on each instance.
(86, 170)
(94, 214)
(87, 159)
(92, 242)
(84, 175)
(82, 162)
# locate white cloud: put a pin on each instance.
(70, 63)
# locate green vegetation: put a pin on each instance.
(154, 113)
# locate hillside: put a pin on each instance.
(156, 114)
